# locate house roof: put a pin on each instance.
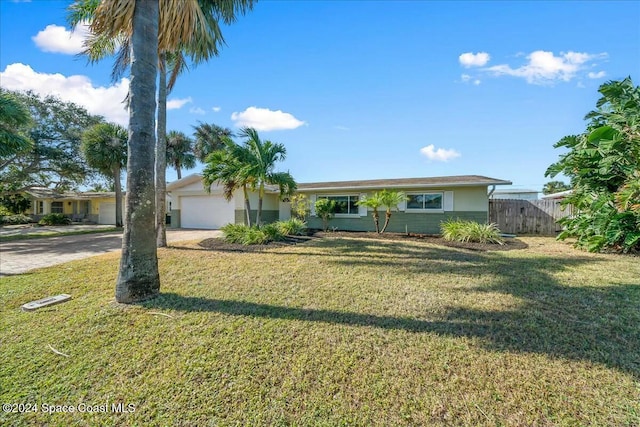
(433, 182)
(514, 191)
(196, 177)
(48, 193)
(559, 195)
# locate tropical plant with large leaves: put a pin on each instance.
(180, 152)
(374, 202)
(209, 138)
(226, 167)
(261, 158)
(604, 166)
(105, 147)
(390, 199)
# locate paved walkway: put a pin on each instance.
(20, 256)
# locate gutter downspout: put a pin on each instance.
(493, 188)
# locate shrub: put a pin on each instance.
(55, 219)
(470, 231)
(300, 206)
(325, 209)
(15, 219)
(292, 227)
(245, 235)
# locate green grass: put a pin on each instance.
(44, 234)
(334, 332)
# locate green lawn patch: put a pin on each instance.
(336, 331)
(45, 234)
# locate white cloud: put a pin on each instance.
(465, 78)
(470, 59)
(477, 82)
(57, 39)
(105, 101)
(216, 109)
(265, 119)
(174, 104)
(598, 75)
(544, 67)
(439, 154)
(197, 110)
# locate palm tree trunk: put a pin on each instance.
(178, 170)
(386, 221)
(376, 220)
(259, 212)
(138, 277)
(247, 205)
(161, 156)
(117, 184)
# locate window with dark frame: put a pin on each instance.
(345, 205)
(57, 207)
(425, 201)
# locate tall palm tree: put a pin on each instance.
(225, 166)
(209, 138)
(105, 147)
(261, 157)
(14, 117)
(374, 202)
(152, 27)
(390, 199)
(180, 151)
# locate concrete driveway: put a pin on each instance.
(20, 256)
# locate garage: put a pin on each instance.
(107, 213)
(209, 212)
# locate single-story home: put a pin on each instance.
(430, 201)
(91, 207)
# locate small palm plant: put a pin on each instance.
(374, 202)
(390, 199)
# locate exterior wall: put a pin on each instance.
(267, 216)
(269, 202)
(175, 218)
(400, 222)
(468, 203)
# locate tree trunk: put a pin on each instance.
(161, 157)
(376, 220)
(178, 170)
(247, 205)
(259, 212)
(117, 184)
(386, 221)
(138, 277)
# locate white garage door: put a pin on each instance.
(209, 212)
(107, 213)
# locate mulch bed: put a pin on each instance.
(219, 244)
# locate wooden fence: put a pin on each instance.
(527, 216)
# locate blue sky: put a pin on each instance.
(364, 90)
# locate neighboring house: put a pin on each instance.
(558, 196)
(514, 194)
(92, 207)
(431, 201)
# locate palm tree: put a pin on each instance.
(261, 157)
(390, 199)
(180, 151)
(14, 118)
(555, 187)
(374, 202)
(141, 21)
(105, 147)
(209, 138)
(225, 166)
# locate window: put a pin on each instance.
(40, 207)
(425, 201)
(345, 205)
(56, 207)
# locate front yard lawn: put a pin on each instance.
(336, 331)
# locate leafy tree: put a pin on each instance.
(225, 166)
(14, 120)
(604, 166)
(105, 147)
(209, 138)
(15, 203)
(54, 161)
(260, 157)
(325, 209)
(390, 199)
(180, 151)
(555, 187)
(374, 202)
(300, 206)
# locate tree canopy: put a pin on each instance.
(604, 166)
(555, 187)
(54, 160)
